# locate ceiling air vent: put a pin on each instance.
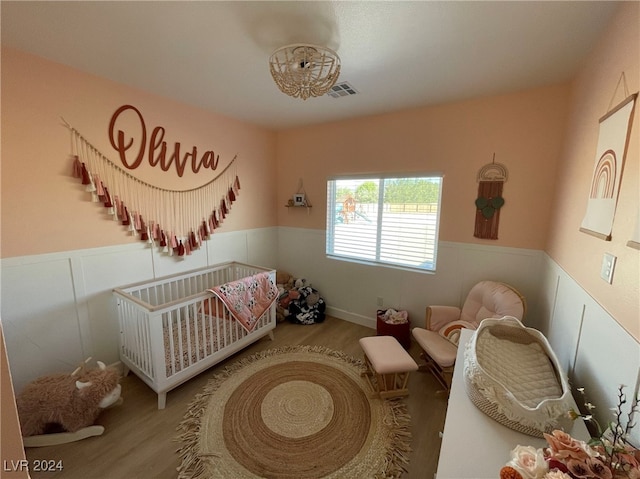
(341, 89)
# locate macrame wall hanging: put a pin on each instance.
(491, 178)
(176, 221)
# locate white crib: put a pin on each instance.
(171, 329)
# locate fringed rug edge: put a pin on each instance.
(193, 463)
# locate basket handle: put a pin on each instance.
(512, 320)
(505, 320)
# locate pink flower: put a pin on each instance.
(529, 462)
(591, 468)
(629, 457)
(562, 446)
(578, 469)
(598, 469)
(634, 473)
(556, 475)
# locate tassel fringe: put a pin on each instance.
(107, 183)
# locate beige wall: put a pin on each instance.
(525, 130)
(45, 210)
(578, 253)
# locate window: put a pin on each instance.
(384, 220)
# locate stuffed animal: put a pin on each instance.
(70, 401)
(308, 308)
(284, 279)
(313, 297)
(285, 284)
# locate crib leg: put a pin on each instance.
(162, 400)
(125, 371)
(271, 337)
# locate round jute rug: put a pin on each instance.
(296, 412)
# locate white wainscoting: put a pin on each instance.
(597, 352)
(58, 309)
(351, 289)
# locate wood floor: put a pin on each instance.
(138, 439)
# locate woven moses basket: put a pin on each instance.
(513, 376)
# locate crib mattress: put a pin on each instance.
(513, 376)
(209, 340)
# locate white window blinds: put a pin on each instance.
(391, 221)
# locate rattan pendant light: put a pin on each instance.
(304, 70)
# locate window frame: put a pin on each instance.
(331, 219)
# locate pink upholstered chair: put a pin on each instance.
(439, 340)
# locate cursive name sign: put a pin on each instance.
(157, 148)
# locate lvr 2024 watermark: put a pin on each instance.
(37, 465)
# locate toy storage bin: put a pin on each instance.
(402, 331)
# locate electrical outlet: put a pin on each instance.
(380, 300)
(608, 265)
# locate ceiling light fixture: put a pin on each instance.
(303, 70)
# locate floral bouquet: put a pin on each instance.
(607, 456)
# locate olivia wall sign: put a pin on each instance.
(177, 221)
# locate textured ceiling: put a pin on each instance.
(396, 54)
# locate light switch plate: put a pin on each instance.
(608, 265)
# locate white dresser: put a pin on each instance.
(474, 446)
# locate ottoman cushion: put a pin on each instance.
(386, 355)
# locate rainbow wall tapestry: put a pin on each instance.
(613, 136)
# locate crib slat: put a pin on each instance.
(166, 322)
(180, 349)
(212, 337)
(196, 331)
(217, 319)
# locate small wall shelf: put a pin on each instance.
(299, 199)
(308, 207)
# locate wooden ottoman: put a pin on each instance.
(388, 366)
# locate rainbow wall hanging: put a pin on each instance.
(613, 138)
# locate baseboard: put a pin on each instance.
(351, 317)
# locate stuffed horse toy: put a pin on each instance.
(70, 401)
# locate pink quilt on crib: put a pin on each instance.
(247, 298)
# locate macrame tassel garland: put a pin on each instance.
(125, 217)
(77, 167)
(98, 186)
(86, 180)
(178, 222)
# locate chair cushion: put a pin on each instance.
(441, 350)
(451, 331)
(489, 299)
(439, 315)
